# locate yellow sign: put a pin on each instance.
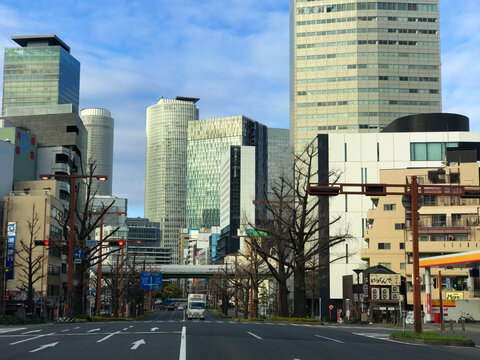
(454, 296)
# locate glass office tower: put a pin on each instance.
(355, 66)
(208, 141)
(40, 72)
(165, 166)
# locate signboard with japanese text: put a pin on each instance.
(457, 295)
(10, 260)
(385, 279)
(151, 281)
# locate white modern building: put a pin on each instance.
(165, 166)
(418, 141)
(100, 126)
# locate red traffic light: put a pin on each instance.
(121, 243)
(42, 242)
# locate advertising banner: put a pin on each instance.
(10, 261)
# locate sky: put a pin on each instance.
(233, 55)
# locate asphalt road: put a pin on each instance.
(165, 335)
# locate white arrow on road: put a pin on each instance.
(31, 332)
(136, 344)
(93, 330)
(44, 347)
(153, 329)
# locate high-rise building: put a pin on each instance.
(39, 72)
(99, 124)
(357, 65)
(280, 156)
(208, 141)
(165, 166)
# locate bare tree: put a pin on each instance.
(293, 233)
(30, 261)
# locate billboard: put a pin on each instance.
(11, 237)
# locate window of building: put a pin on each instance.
(399, 226)
(383, 246)
(403, 266)
(402, 246)
(389, 207)
(386, 264)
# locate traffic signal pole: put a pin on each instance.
(414, 190)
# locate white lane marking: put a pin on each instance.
(11, 329)
(154, 328)
(75, 328)
(477, 346)
(44, 347)
(31, 332)
(93, 330)
(255, 336)
(107, 337)
(125, 329)
(137, 343)
(33, 338)
(65, 330)
(327, 338)
(384, 337)
(183, 344)
(130, 326)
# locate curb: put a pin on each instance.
(433, 342)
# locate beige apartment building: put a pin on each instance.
(447, 224)
(357, 65)
(37, 200)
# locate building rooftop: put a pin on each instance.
(189, 99)
(38, 40)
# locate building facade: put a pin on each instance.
(447, 224)
(280, 156)
(355, 66)
(420, 141)
(237, 191)
(144, 242)
(37, 203)
(165, 170)
(39, 72)
(25, 157)
(208, 141)
(99, 124)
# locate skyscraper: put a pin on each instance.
(280, 156)
(208, 141)
(99, 124)
(40, 72)
(165, 166)
(357, 65)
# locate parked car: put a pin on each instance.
(162, 307)
(171, 307)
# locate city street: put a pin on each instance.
(166, 335)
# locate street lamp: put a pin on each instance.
(358, 272)
(73, 176)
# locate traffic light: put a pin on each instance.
(42, 242)
(454, 283)
(117, 243)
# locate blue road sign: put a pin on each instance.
(78, 253)
(447, 282)
(151, 281)
(90, 292)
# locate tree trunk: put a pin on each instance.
(283, 299)
(300, 293)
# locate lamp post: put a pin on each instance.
(73, 176)
(358, 271)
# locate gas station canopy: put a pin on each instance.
(465, 259)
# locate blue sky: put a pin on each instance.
(232, 54)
